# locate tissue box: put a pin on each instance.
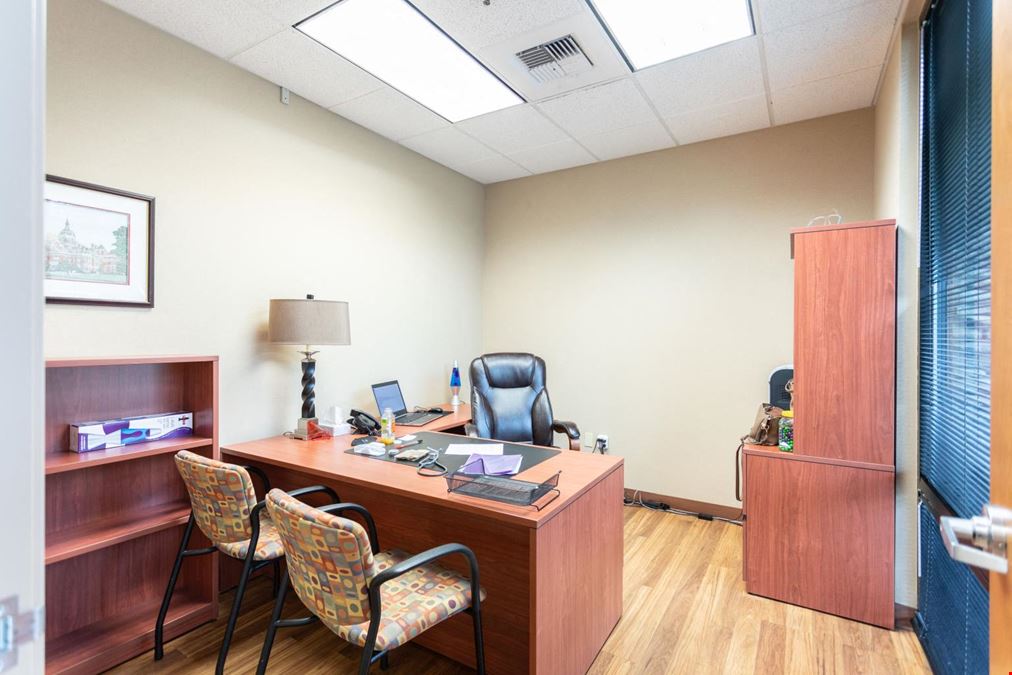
(105, 434)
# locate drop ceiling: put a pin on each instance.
(808, 58)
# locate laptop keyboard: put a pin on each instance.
(416, 418)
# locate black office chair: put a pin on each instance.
(509, 401)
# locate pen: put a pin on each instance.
(408, 443)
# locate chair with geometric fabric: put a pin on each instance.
(377, 600)
(223, 504)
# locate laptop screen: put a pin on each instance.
(388, 395)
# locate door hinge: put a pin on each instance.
(18, 628)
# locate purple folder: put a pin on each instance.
(492, 465)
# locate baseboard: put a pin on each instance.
(905, 616)
(718, 510)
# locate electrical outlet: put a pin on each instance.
(602, 442)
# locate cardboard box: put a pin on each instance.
(105, 434)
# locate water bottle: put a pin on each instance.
(387, 427)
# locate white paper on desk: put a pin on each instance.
(473, 449)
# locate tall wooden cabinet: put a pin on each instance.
(114, 518)
(819, 522)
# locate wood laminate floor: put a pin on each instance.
(686, 611)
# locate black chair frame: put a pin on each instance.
(249, 567)
(369, 653)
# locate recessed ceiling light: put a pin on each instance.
(652, 31)
(398, 44)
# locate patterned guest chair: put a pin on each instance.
(224, 506)
(337, 576)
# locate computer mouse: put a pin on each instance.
(436, 410)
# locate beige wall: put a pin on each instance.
(258, 200)
(659, 288)
(896, 196)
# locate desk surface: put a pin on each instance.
(327, 459)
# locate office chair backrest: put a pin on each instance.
(330, 560)
(221, 496)
(509, 401)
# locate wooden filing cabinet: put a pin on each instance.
(819, 522)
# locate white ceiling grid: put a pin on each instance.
(809, 58)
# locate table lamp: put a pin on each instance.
(308, 322)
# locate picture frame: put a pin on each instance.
(99, 245)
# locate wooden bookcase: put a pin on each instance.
(819, 522)
(114, 518)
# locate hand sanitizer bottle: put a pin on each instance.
(455, 385)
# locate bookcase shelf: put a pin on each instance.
(112, 531)
(115, 530)
(72, 461)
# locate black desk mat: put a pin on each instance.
(533, 455)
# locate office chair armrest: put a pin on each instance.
(259, 473)
(370, 524)
(471, 430)
(312, 489)
(571, 431)
(425, 558)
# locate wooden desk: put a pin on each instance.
(553, 577)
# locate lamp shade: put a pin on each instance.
(309, 322)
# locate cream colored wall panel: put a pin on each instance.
(258, 200)
(674, 298)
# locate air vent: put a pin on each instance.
(555, 60)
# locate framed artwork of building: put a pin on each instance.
(99, 245)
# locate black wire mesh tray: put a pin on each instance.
(506, 490)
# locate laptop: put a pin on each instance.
(388, 395)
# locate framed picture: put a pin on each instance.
(99, 245)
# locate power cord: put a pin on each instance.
(637, 501)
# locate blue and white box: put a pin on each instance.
(105, 434)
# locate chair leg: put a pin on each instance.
(479, 638)
(369, 648)
(385, 661)
(272, 627)
(276, 579)
(234, 616)
(169, 590)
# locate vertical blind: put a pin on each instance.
(955, 318)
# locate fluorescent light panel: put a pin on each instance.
(653, 31)
(399, 45)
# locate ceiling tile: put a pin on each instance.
(390, 113)
(448, 146)
(513, 129)
(475, 24)
(290, 12)
(224, 28)
(628, 141)
(777, 14)
(312, 71)
(493, 170)
(842, 42)
(725, 119)
(552, 157)
(728, 72)
(598, 109)
(825, 97)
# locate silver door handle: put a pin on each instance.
(981, 541)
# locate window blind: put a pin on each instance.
(955, 320)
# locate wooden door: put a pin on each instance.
(1001, 316)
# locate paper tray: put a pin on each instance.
(506, 490)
